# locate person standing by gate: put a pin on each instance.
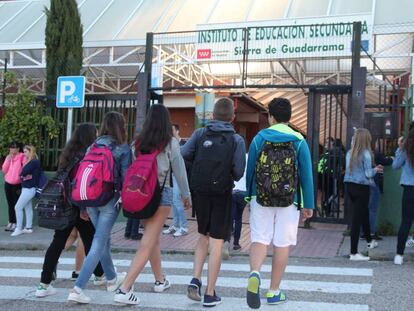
(12, 167)
(179, 226)
(404, 157)
(359, 175)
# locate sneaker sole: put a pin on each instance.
(276, 303)
(43, 295)
(72, 299)
(162, 290)
(192, 293)
(212, 304)
(123, 302)
(253, 293)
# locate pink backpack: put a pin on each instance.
(141, 191)
(93, 184)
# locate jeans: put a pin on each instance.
(103, 219)
(358, 200)
(407, 218)
(132, 227)
(374, 197)
(12, 195)
(179, 218)
(25, 203)
(238, 205)
(86, 232)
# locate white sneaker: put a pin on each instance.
(99, 280)
(9, 227)
(372, 244)
(398, 260)
(77, 295)
(225, 251)
(126, 298)
(114, 284)
(17, 232)
(358, 257)
(409, 243)
(170, 230)
(160, 287)
(27, 230)
(43, 291)
(180, 232)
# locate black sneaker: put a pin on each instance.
(376, 237)
(74, 276)
(211, 301)
(236, 247)
(194, 290)
(136, 237)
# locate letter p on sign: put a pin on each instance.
(70, 92)
(67, 88)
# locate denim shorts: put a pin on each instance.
(167, 197)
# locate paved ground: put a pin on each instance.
(311, 284)
(323, 240)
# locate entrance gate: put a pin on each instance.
(177, 62)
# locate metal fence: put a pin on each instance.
(94, 110)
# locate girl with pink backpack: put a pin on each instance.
(154, 142)
(96, 187)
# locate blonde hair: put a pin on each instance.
(32, 152)
(361, 141)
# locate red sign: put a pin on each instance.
(203, 53)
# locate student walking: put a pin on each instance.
(30, 176)
(83, 136)
(359, 174)
(404, 157)
(12, 167)
(279, 170)
(218, 158)
(156, 136)
(179, 226)
(115, 156)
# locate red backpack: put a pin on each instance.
(93, 184)
(141, 191)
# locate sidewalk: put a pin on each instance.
(385, 251)
(322, 241)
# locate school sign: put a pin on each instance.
(300, 38)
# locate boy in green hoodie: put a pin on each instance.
(280, 155)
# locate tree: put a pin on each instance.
(63, 42)
(25, 119)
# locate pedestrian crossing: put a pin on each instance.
(300, 281)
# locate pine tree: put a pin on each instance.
(63, 42)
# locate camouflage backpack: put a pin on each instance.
(276, 175)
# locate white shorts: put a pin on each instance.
(277, 224)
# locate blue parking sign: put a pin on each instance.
(70, 92)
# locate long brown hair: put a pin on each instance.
(409, 145)
(83, 136)
(156, 132)
(114, 125)
(361, 141)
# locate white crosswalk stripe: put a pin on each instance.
(181, 275)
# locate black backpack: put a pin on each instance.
(276, 175)
(211, 171)
(54, 208)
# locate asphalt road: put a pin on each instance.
(311, 284)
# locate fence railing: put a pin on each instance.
(94, 110)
